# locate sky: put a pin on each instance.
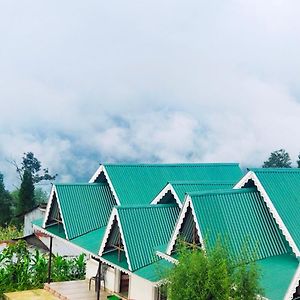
(88, 82)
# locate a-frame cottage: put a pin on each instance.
(120, 196)
(129, 217)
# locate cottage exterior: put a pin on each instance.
(104, 219)
(129, 217)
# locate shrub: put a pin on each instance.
(22, 270)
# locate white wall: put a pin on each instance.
(35, 214)
(141, 289)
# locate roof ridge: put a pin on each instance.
(201, 182)
(225, 191)
(170, 164)
(275, 170)
(82, 184)
(150, 206)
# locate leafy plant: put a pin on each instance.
(10, 232)
(22, 270)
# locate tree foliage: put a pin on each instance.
(32, 165)
(212, 275)
(278, 159)
(5, 204)
(26, 194)
(30, 172)
(298, 161)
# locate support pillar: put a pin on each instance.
(50, 260)
(98, 281)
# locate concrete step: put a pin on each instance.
(74, 290)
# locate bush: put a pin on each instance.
(22, 270)
(211, 275)
(10, 232)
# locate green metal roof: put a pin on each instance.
(277, 273)
(283, 188)
(113, 258)
(84, 207)
(155, 271)
(184, 187)
(144, 228)
(90, 241)
(240, 216)
(137, 184)
(55, 229)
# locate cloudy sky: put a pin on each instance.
(84, 82)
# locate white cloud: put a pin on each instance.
(147, 81)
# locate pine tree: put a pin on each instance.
(30, 173)
(26, 193)
(5, 204)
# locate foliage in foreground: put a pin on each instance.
(22, 270)
(10, 232)
(212, 276)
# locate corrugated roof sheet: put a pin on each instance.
(145, 228)
(114, 259)
(90, 241)
(137, 184)
(242, 217)
(184, 187)
(277, 273)
(283, 188)
(155, 271)
(85, 207)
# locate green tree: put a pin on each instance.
(30, 172)
(219, 273)
(298, 161)
(5, 204)
(26, 194)
(188, 279)
(31, 164)
(246, 277)
(211, 275)
(278, 159)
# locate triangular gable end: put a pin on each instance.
(53, 212)
(48, 207)
(168, 193)
(187, 225)
(102, 171)
(114, 237)
(294, 285)
(251, 177)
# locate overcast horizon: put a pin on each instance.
(147, 81)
